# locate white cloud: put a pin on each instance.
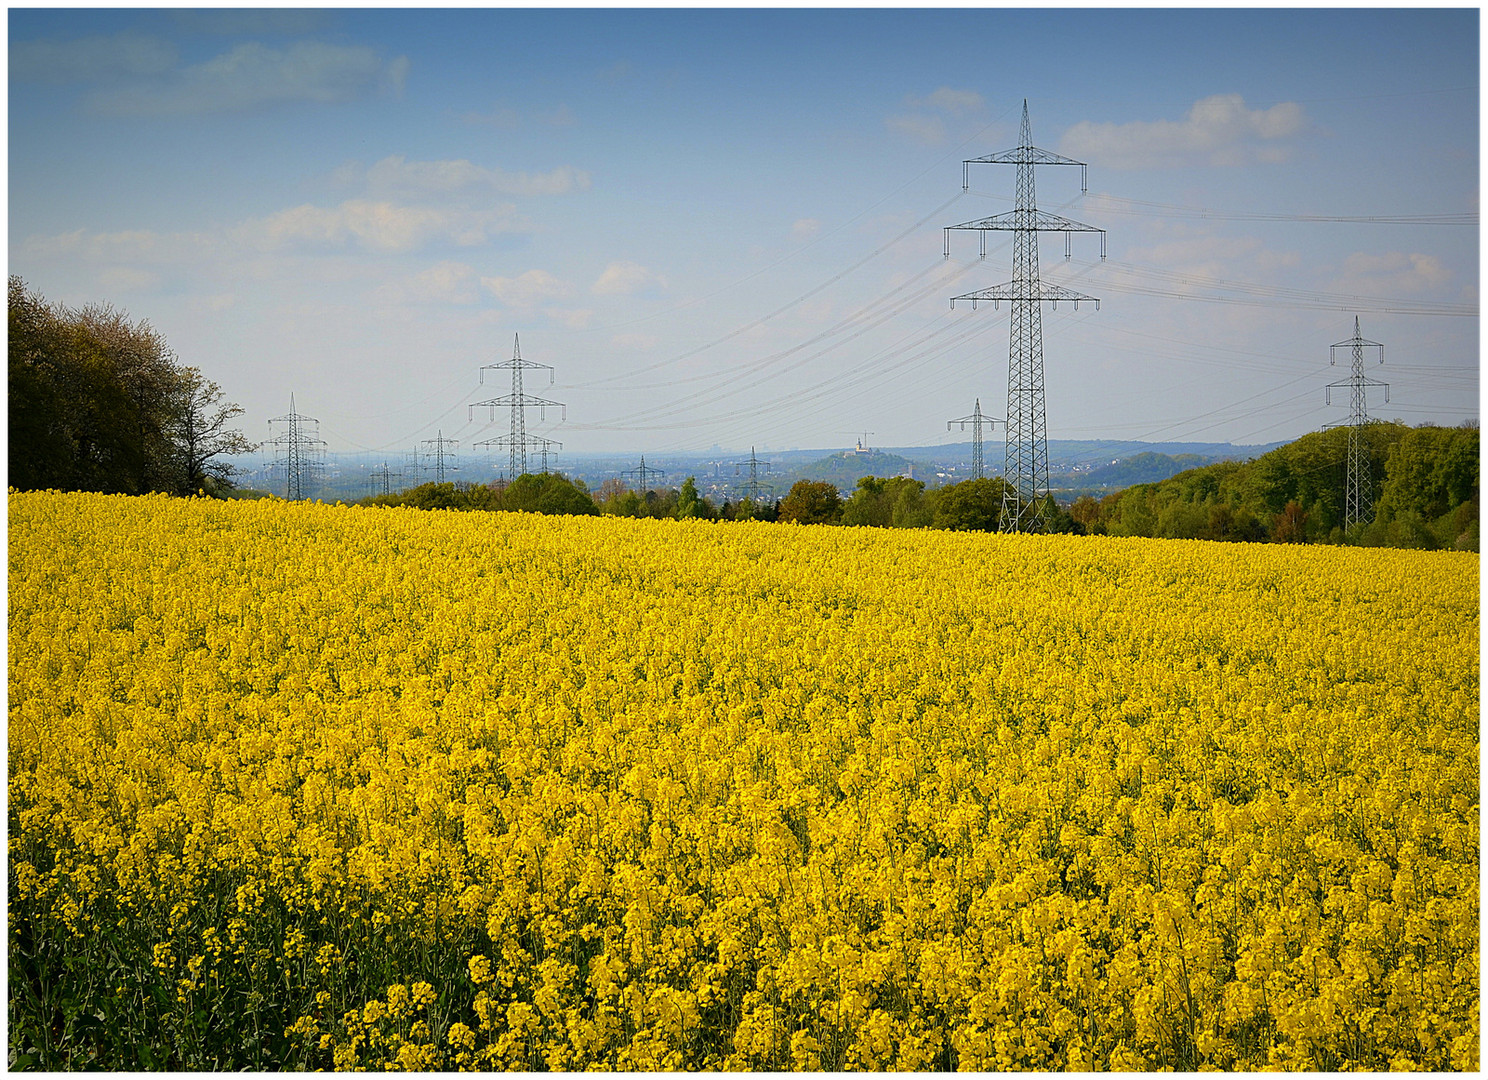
(635, 342)
(375, 226)
(443, 283)
(252, 74)
(228, 21)
(626, 279)
(500, 116)
(1199, 256)
(929, 130)
(1219, 130)
(948, 100)
(572, 318)
(921, 125)
(214, 302)
(1392, 273)
(127, 279)
(526, 290)
(805, 228)
(98, 58)
(397, 177)
(559, 116)
(127, 246)
(1192, 250)
(506, 117)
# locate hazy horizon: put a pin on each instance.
(725, 227)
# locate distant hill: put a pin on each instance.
(1144, 468)
(1424, 484)
(1085, 453)
(845, 469)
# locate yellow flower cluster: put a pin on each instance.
(404, 789)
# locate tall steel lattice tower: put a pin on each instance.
(976, 420)
(544, 448)
(517, 401)
(299, 451)
(382, 480)
(1358, 497)
(1026, 465)
(642, 472)
(754, 485)
(438, 454)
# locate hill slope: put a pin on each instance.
(1423, 485)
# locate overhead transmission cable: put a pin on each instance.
(934, 165)
(910, 349)
(1118, 204)
(837, 327)
(1132, 277)
(606, 380)
(716, 393)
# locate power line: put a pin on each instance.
(976, 420)
(1026, 461)
(1131, 278)
(1358, 503)
(783, 308)
(300, 451)
(754, 463)
(439, 454)
(517, 441)
(1118, 204)
(641, 472)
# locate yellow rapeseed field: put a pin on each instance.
(306, 786)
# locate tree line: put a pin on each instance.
(1423, 487)
(884, 502)
(100, 403)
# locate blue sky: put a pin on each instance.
(725, 227)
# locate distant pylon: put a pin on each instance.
(1026, 465)
(517, 440)
(754, 485)
(641, 472)
(545, 447)
(976, 420)
(300, 450)
(439, 454)
(1358, 497)
(384, 477)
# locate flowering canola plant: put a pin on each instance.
(305, 786)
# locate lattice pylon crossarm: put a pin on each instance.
(1026, 461)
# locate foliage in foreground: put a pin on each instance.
(1424, 488)
(540, 493)
(302, 786)
(97, 403)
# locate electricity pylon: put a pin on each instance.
(641, 472)
(545, 447)
(1026, 463)
(517, 441)
(299, 451)
(438, 454)
(754, 463)
(384, 478)
(976, 420)
(1358, 499)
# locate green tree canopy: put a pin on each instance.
(887, 502)
(969, 506)
(100, 403)
(811, 502)
(546, 493)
